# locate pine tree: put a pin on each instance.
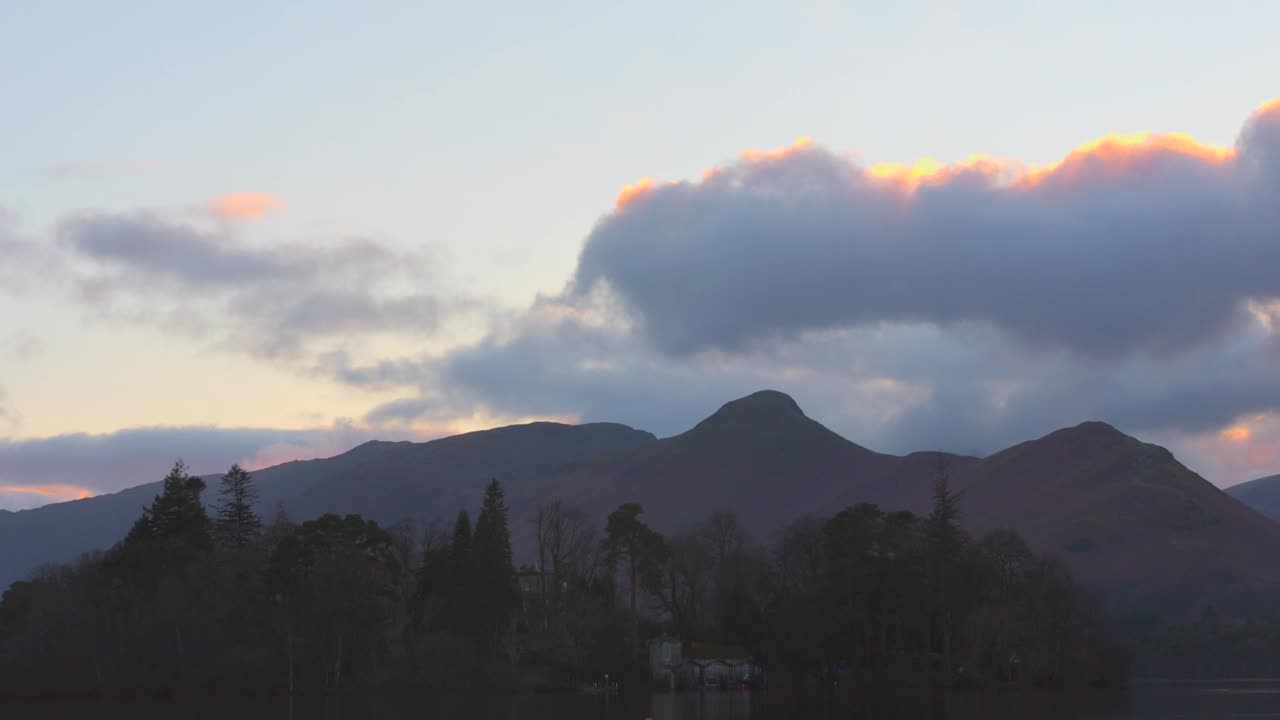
(237, 524)
(493, 587)
(171, 532)
(460, 548)
(945, 541)
(644, 550)
(176, 514)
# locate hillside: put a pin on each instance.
(1262, 495)
(1129, 518)
(1125, 515)
(759, 457)
(385, 480)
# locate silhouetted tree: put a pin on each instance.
(945, 543)
(641, 551)
(493, 586)
(565, 545)
(237, 525)
(176, 514)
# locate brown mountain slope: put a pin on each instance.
(434, 480)
(1125, 515)
(384, 480)
(758, 456)
(1128, 518)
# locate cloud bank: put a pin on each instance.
(964, 306)
(268, 300)
(1134, 243)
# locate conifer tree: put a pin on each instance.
(945, 541)
(460, 548)
(176, 514)
(493, 586)
(237, 524)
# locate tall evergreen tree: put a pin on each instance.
(945, 542)
(493, 573)
(176, 514)
(237, 524)
(460, 548)
(172, 532)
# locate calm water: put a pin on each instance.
(1149, 701)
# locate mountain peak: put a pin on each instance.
(1091, 430)
(762, 406)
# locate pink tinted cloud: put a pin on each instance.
(1245, 450)
(245, 205)
(33, 495)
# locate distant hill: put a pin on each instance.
(1125, 515)
(1128, 517)
(758, 456)
(386, 481)
(1262, 495)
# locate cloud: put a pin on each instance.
(39, 471)
(271, 301)
(1246, 450)
(1133, 243)
(22, 497)
(964, 307)
(245, 205)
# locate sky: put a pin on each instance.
(247, 232)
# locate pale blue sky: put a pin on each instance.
(493, 136)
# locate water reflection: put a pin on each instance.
(1149, 701)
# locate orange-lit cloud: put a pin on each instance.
(646, 184)
(1112, 153)
(632, 191)
(1237, 434)
(1116, 153)
(754, 155)
(929, 170)
(56, 493)
(245, 205)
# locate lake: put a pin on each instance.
(1217, 700)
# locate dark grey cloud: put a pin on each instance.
(1153, 249)
(967, 315)
(268, 300)
(162, 251)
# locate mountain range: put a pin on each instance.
(1126, 516)
(1262, 495)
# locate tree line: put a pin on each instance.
(191, 602)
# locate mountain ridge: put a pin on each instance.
(1125, 515)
